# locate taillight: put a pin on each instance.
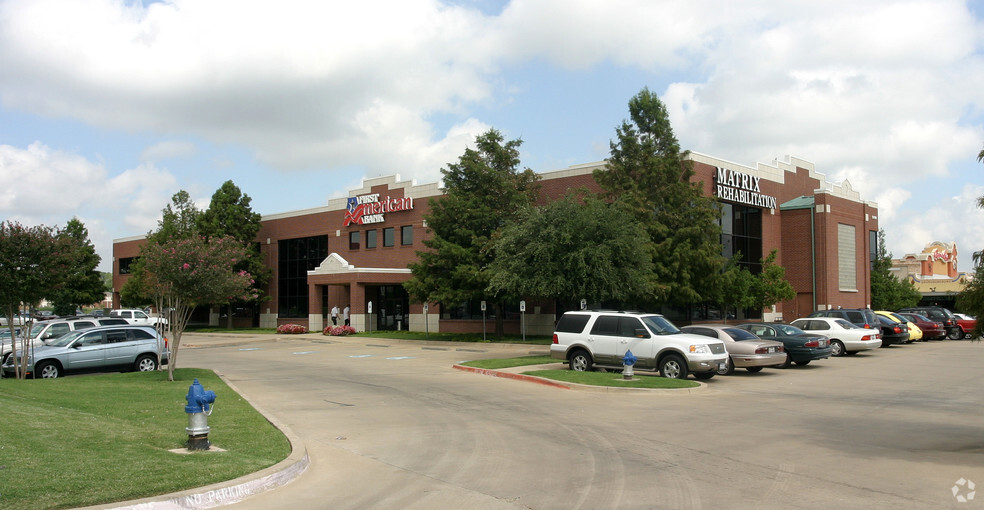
(898, 329)
(867, 326)
(762, 350)
(812, 343)
(867, 337)
(555, 339)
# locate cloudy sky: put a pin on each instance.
(109, 107)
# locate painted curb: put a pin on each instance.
(578, 387)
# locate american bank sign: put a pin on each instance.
(366, 209)
(735, 186)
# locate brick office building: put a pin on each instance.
(355, 250)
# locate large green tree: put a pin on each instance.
(484, 191)
(648, 175)
(31, 265)
(82, 284)
(770, 285)
(572, 249)
(887, 291)
(230, 214)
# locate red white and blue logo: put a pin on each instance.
(367, 209)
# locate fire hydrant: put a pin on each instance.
(627, 361)
(199, 408)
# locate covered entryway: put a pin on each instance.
(390, 306)
(338, 282)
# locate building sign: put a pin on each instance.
(366, 209)
(740, 187)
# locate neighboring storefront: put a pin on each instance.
(934, 273)
(354, 251)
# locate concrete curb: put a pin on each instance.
(507, 374)
(230, 491)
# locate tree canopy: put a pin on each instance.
(887, 291)
(648, 175)
(82, 284)
(484, 191)
(572, 249)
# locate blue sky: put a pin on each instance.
(109, 107)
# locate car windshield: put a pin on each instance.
(660, 325)
(847, 325)
(789, 330)
(65, 339)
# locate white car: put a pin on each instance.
(592, 338)
(137, 317)
(845, 337)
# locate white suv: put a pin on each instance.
(137, 317)
(600, 338)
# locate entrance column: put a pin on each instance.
(357, 304)
(315, 308)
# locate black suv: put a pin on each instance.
(863, 317)
(939, 314)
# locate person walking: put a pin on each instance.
(345, 315)
(334, 315)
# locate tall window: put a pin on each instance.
(872, 248)
(295, 258)
(406, 235)
(354, 240)
(847, 271)
(125, 264)
(371, 238)
(388, 236)
(741, 231)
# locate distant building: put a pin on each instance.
(933, 272)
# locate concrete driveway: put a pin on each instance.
(391, 425)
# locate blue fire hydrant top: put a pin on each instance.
(629, 359)
(198, 398)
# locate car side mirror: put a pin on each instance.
(641, 333)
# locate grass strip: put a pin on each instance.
(87, 440)
(613, 379)
(496, 364)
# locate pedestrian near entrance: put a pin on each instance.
(334, 315)
(345, 315)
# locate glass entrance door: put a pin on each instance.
(392, 310)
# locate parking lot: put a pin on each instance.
(392, 425)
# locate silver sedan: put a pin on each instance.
(745, 350)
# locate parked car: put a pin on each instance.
(601, 338)
(940, 314)
(893, 332)
(745, 350)
(845, 337)
(137, 317)
(801, 347)
(862, 317)
(966, 323)
(101, 349)
(931, 330)
(914, 332)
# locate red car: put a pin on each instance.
(931, 329)
(966, 323)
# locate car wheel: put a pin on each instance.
(753, 369)
(786, 363)
(145, 363)
(729, 367)
(803, 363)
(673, 367)
(704, 375)
(956, 334)
(47, 370)
(836, 348)
(580, 361)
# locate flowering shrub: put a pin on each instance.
(291, 329)
(339, 331)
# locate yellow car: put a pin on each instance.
(914, 332)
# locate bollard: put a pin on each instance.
(199, 408)
(627, 361)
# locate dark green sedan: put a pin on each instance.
(801, 347)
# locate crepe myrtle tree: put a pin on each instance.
(32, 262)
(192, 271)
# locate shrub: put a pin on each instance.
(339, 331)
(291, 329)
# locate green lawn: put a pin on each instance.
(86, 440)
(596, 378)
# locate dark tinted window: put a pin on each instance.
(695, 330)
(631, 326)
(112, 322)
(94, 338)
(140, 334)
(572, 323)
(115, 336)
(84, 324)
(605, 325)
(740, 334)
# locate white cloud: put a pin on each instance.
(168, 149)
